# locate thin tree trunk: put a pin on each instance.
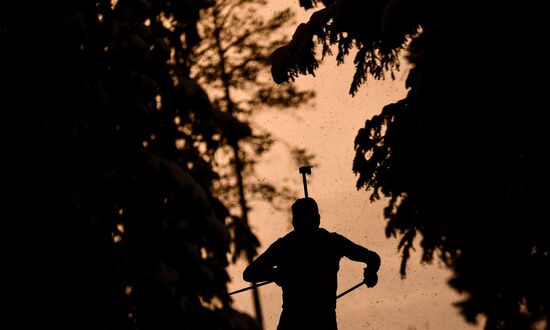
(238, 163)
(244, 214)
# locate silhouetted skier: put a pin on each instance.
(305, 264)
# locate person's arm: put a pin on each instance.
(263, 268)
(359, 253)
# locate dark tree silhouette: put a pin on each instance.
(460, 160)
(232, 63)
(111, 214)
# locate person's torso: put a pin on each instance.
(310, 269)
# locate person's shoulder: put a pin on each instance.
(286, 238)
(284, 243)
(334, 240)
(330, 234)
(325, 232)
(336, 237)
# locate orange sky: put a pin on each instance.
(327, 129)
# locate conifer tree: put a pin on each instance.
(109, 190)
(460, 160)
(232, 63)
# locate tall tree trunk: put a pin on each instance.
(244, 215)
(238, 163)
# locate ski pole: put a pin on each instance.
(250, 287)
(350, 289)
(267, 282)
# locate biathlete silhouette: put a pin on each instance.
(305, 264)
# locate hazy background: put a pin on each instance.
(327, 129)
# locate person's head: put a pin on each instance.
(305, 214)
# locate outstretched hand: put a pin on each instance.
(370, 278)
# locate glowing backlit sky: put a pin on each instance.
(422, 300)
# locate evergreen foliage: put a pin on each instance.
(232, 63)
(460, 161)
(109, 185)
